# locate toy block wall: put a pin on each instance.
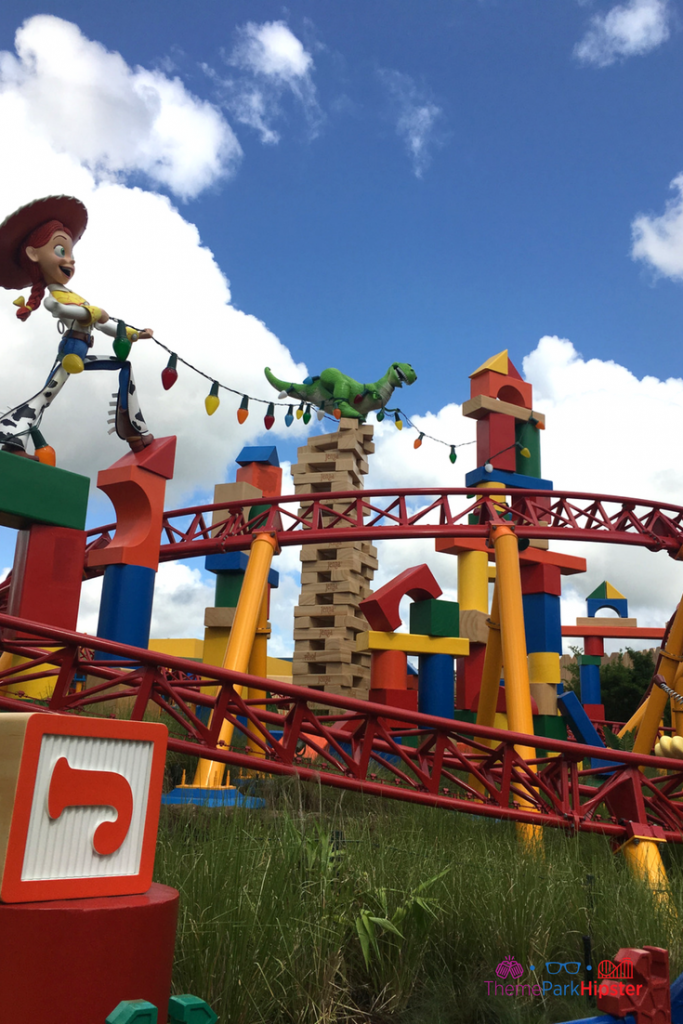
(335, 577)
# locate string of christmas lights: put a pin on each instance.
(169, 375)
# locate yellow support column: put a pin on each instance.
(493, 666)
(258, 666)
(263, 547)
(668, 668)
(645, 861)
(513, 640)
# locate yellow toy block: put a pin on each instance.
(412, 643)
(497, 363)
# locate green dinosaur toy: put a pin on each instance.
(334, 390)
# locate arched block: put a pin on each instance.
(381, 610)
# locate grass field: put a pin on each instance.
(328, 907)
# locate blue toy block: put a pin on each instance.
(582, 727)
(436, 685)
(542, 622)
(236, 561)
(211, 797)
(258, 453)
(589, 676)
(190, 1010)
(126, 605)
(133, 1011)
(479, 476)
(677, 1000)
(617, 604)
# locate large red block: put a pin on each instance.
(468, 678)
(503, 386)
(76, 960)
(406, 700)
(594, 645)
(47, 575)
(496, 441)
(381, 610)
(541, 579)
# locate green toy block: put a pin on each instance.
(589, 659)
(435, 618)
(228, 587)
(133, 1011)
(190, 1010)
(31, 492)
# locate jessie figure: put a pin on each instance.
(36, 248)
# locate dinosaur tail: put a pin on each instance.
(281, 385)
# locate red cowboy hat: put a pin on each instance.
(19, 225)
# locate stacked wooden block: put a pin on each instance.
(335, 577)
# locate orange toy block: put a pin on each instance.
(567, 564)
(262, 475)
(389, 670)
(381, 610)
(505, 387)
(137, 493)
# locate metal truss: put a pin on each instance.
(353, 744)
(411, 513)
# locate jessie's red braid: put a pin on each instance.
(39, 236)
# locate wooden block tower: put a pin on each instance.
(335, 577)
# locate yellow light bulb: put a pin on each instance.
(525, 453)
(72, 363)
(211, 403)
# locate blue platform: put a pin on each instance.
(210, 797)
(480, 476)
(236, 561)
(617, 604)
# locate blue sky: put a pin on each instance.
(520, 224)
(429, 182)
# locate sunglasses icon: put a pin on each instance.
(555, 968)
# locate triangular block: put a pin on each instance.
(606, 592)
(600, 592)
(497, 363)
(612, 592)
(158, 457)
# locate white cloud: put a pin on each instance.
(139, 259)
(416, 116)
(659, 240)
(627, 30)
(87, 102)
(273, 62)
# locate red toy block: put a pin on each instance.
(541, 579)
(158, 457)
(636, 982)
(468, 678)
(406, 700)
(136, 485)
(596, 712)
(47, 575)
(87, 956)
(381, 610)
(262, 475)
(503, 386)
(496, 434)
(389, 670)
(594, 645)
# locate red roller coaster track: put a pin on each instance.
(427, 760)
(414, 513)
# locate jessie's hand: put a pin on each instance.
(103, 317)
(147, 333)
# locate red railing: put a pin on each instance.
(391, 514)
(427, 760)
